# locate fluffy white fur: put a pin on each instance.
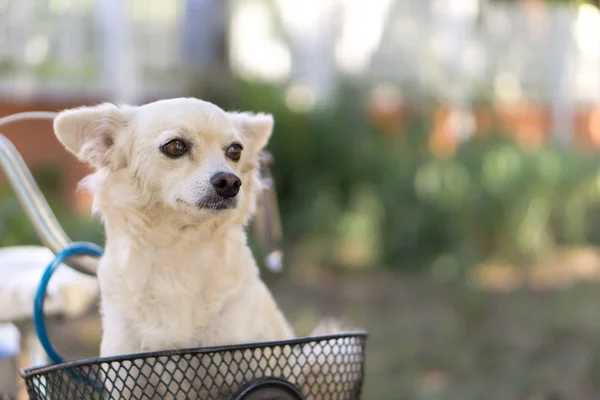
(174, 275)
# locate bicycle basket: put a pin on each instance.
(324, 367)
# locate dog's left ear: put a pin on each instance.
(255, 127)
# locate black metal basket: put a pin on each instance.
(324, 367)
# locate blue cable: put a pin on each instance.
(39, 320)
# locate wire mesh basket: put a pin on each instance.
(324, 367)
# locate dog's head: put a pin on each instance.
(182, 155)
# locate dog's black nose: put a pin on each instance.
(225, 184)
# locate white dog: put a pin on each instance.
(176, 181)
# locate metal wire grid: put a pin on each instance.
(324, 367)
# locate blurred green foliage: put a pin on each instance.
(353, 198)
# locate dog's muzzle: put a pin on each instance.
(226, 187)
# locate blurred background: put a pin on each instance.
(436, 161)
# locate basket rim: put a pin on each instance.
(33, 371)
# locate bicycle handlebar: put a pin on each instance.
(47, 227)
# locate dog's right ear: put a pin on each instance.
(90, 133)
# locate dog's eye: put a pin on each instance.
(234, 151)
(175, 148)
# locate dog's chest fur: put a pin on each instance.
(180, 289)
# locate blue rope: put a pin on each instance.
(39, 320)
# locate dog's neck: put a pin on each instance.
(167, 245)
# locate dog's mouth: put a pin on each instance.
(214, 203)
(221, 204)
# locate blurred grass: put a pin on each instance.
(431, 340)
(438, 341)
